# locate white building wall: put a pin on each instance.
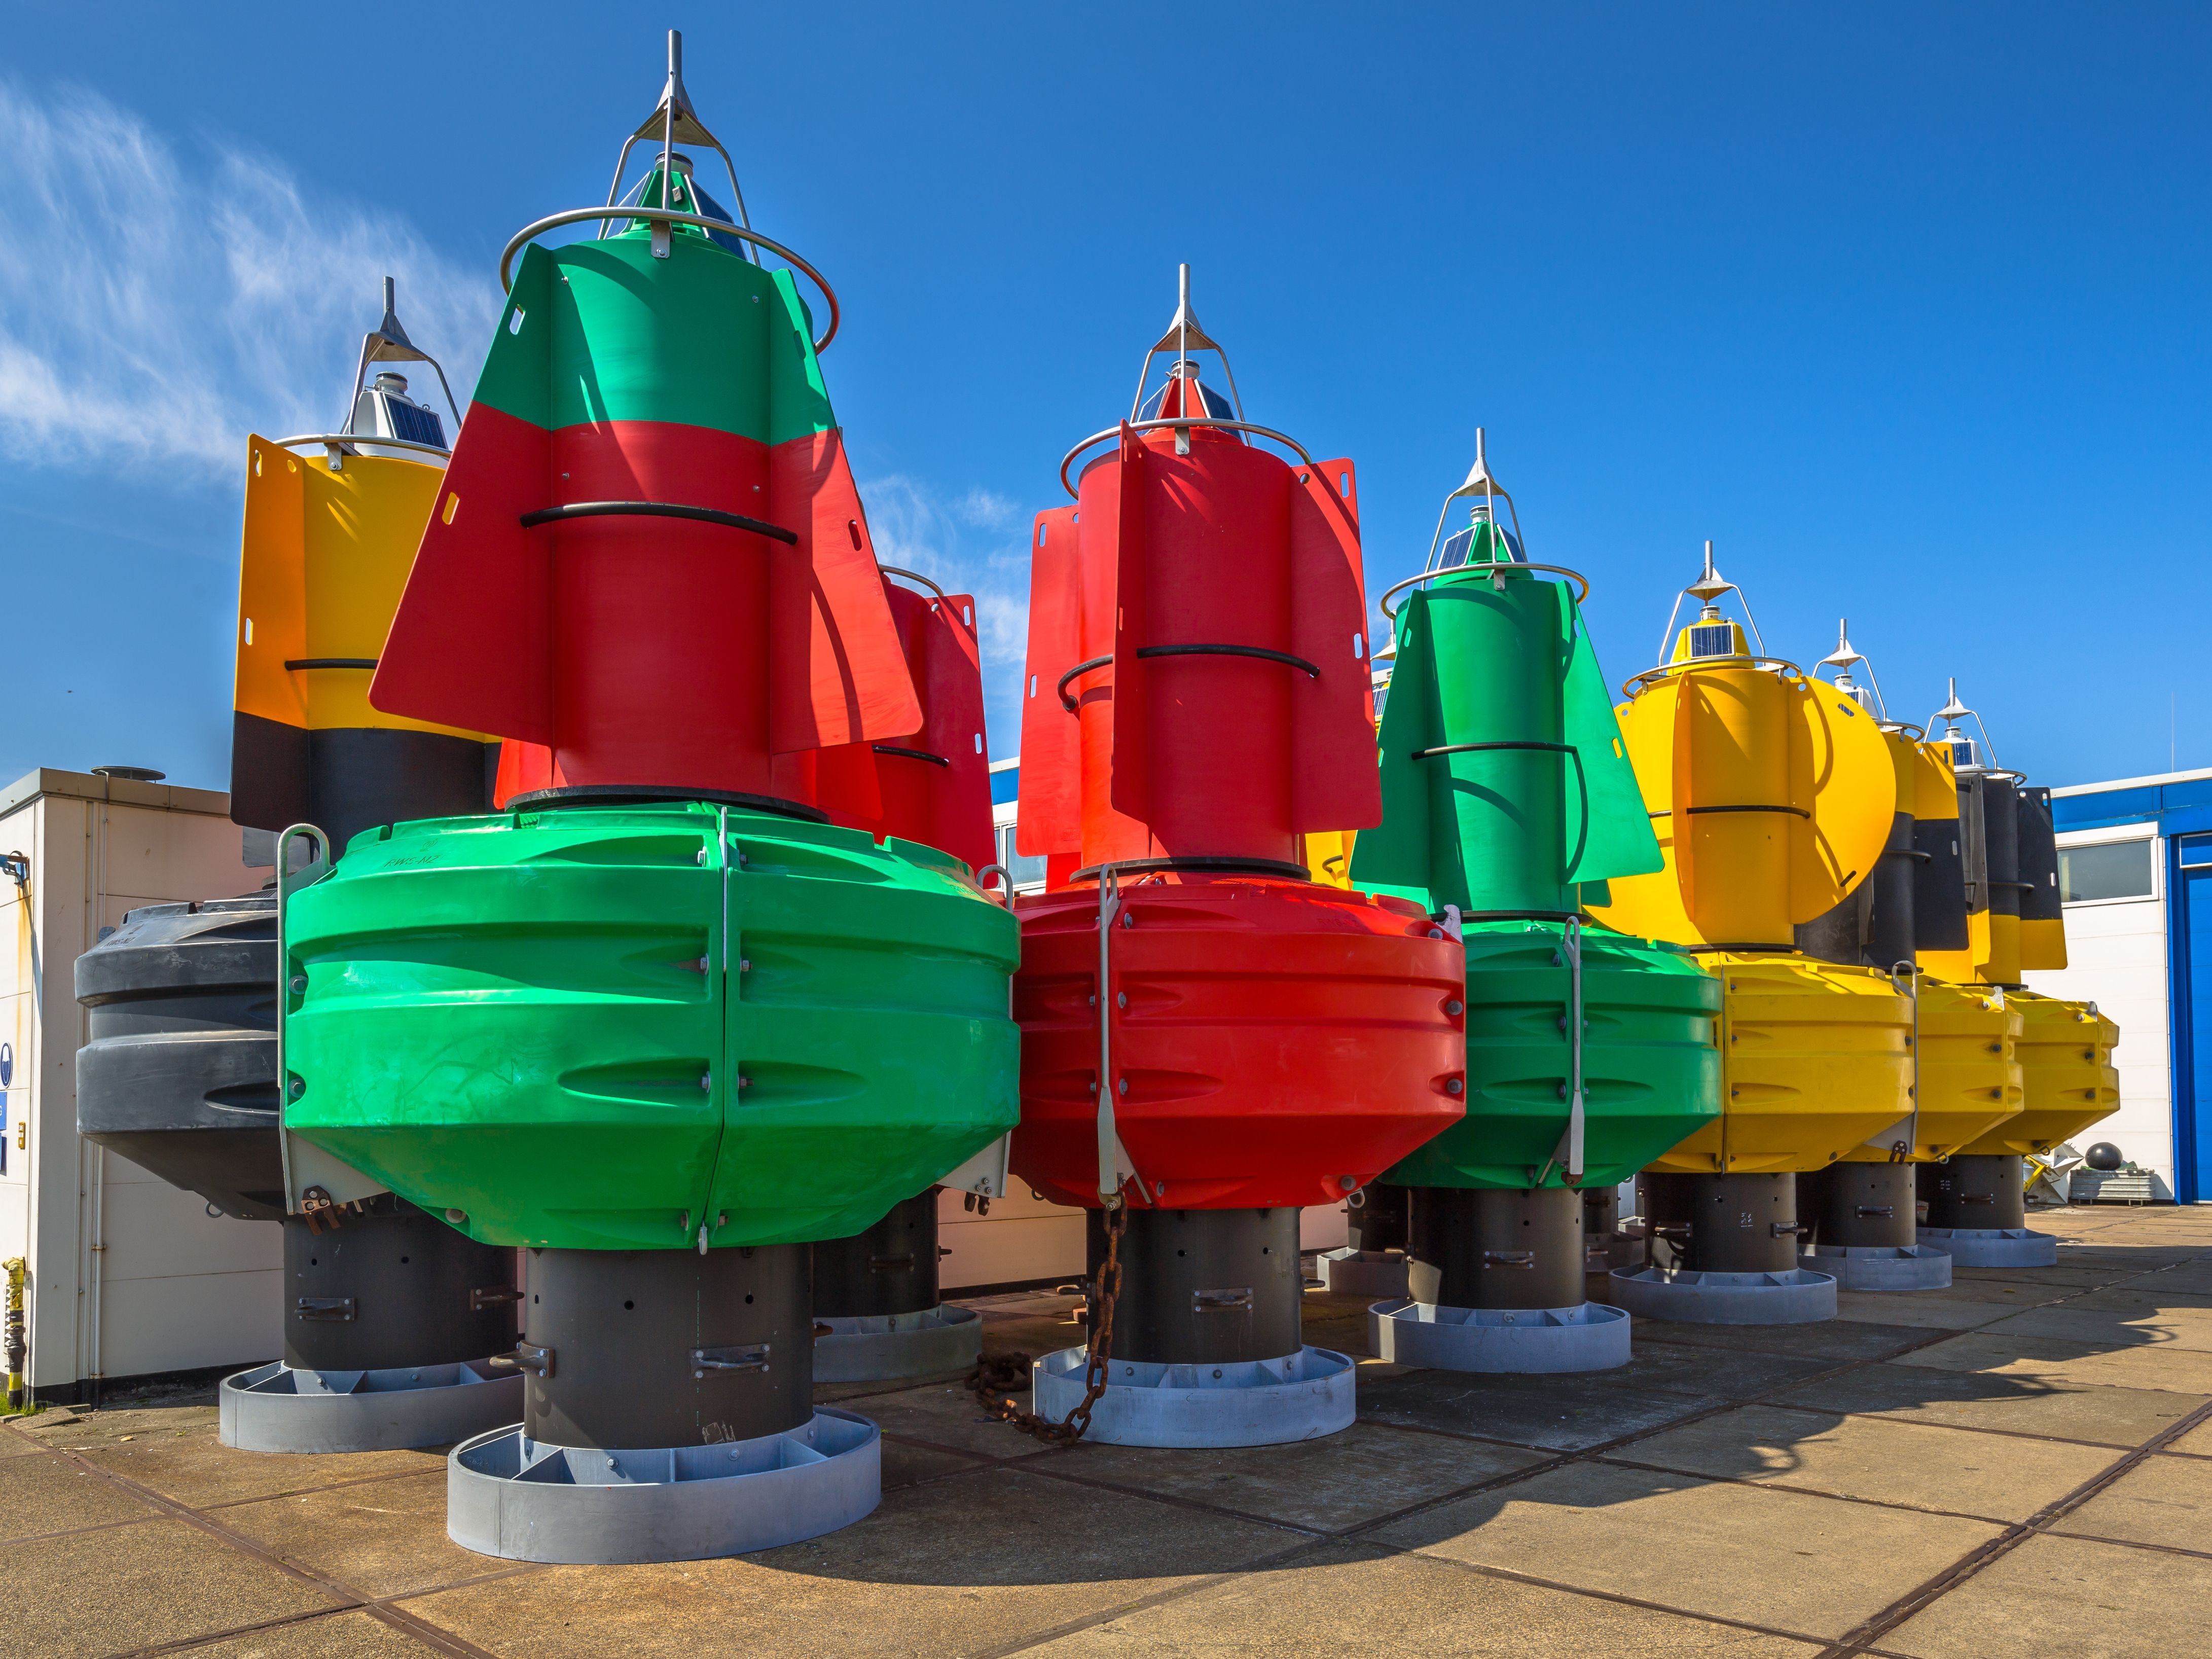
(128, 1275)
(2116, 958)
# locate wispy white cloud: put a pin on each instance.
(977, 543)
(157, 303)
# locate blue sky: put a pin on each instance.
(1904, 305)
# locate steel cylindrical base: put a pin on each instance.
(1981, 1192)
(390, 1289)
(1476, 1247)
(891, 1268)
(507, 1495)
(1722, 1224)
(1993, 1247)
(1377, 1221)
(1205, 1286)
(1589, 1337)
(1300, 1395)
(1861, 1206)
(668, 1348)
(1794, 1296)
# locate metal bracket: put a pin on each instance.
(1116, 1166)
(749, 1357)
(338, 1310)
(527, 1357)
(984, 1176)
(1509, 1259)
(493, 1296)
(1238, 1300)
(1568, 1154)
(306, 1166)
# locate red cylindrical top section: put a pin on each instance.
(1209, 596)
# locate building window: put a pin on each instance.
(2107, 871)
(1028, 872)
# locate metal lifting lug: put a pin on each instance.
(334, 1309)
(527, 1357)
(751, 1357)
(1238, 1300)
(1874, 1212)
(1789, 1230)
(1509, 1259)
(493, 1296)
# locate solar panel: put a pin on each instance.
(1713, 639)
(413, 423)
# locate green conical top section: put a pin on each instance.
(1505, 783)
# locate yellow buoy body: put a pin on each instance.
(2067, 1075)
(1327, 856)
(1967, 1083)
(1814, 1062)
(323, 557)
(1772, 796)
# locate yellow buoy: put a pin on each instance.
(330, 535)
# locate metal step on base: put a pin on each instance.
(1786, 1296)
(1251, 1402)
(1589, 1337)
(524, 1500)
(1882, 1266)
(883, 1348)
(1994, 1246)
(1362, 1273)
(279, 1408)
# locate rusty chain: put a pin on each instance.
(993, 1380)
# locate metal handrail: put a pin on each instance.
(1629, 688)
(328, 440)
(669, 216)
(916, 576)
(1383, 603)
(1186, 422)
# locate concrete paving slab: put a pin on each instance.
(2063, 1598)
(945, 1414)
(1404, 1604)
(1733, 1373)
(195, 1469)
(2150, 1293)
(1831, 1340)
(2084, 1364)
(101, 1592)
(1922, 1466)
(1904, 1310)
(2144, 1321)
(1812, 1566)
(2196, 1443)
(329, 1636)
(2015, 1405)
(47, 1494)
(974, 1563)
(1556, 1413)
(2162, 1500)
(382, 1538)
(1345, 1480)
(2075, 1277)
(2140, 1257)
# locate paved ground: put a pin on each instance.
(2020, 1465)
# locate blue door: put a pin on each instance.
(2190, 902)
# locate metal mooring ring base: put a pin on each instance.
(1251, 1402)
(1590, 1337)
(1994, 1246)
(881, 1347)
(276, 1408)
(1882, 1267)
(523, 1500)
(1362, 1273)
(1788, 1296)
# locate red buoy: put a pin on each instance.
(1204, 1028)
